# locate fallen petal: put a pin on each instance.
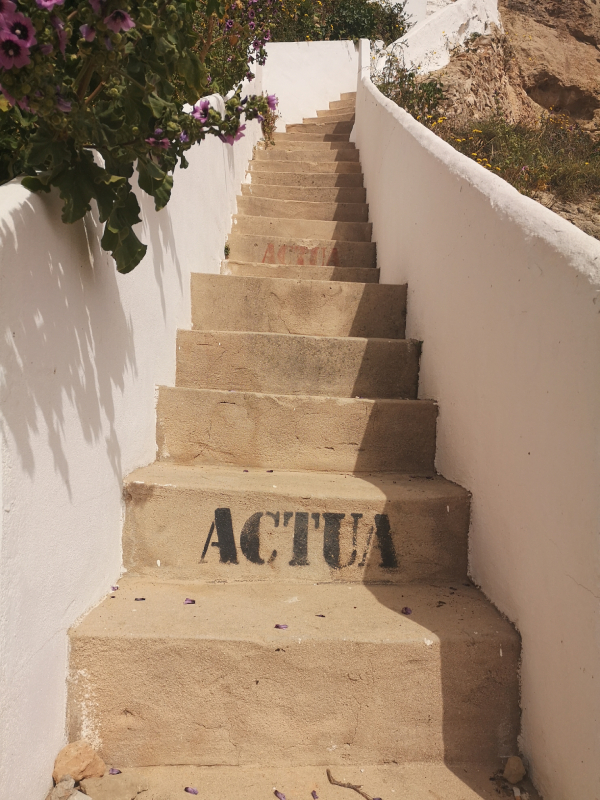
(281, 627)
(313, 794)
(319, 615)
(189, 602)
(277, 794)
(406, 611)
(140, 598)
(190, 790)
(114, 588)
(114, 771)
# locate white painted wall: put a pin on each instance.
(81, 351)
(506, 296)
(306, 76)
(428, 45)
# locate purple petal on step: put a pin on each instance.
(269, 470)
(140, 598)
(319, 615)
(114, 771)
(281, 627)
(406, 611)
(189, 602)
(114, 588)
(314, 795)
(278, 795)
(190, 790)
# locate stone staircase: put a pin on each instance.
(295, 500)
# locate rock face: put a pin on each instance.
(114, 787)
(64, 789)
(556, 46)
(79, 760)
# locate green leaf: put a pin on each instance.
(192, 71)
(129, 252)
(157, 105)
(155, 182)
(34, 184)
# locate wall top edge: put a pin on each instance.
(535, 220)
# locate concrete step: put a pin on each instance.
(281, 154)
(335, 110)
(320, 127)
(312, 308)
(311, 137)
(416, 781)
(301, 252)
(276, 431)
(297, 209)
(337, 104)
(253, 270)
(215, 683)
(307, 179)
(294, 364)
(293, 526)
(348, 96)
(273, 165)
(301, 228)
(341, 115)
(306, 193)
(288, 142)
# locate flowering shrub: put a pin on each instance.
(113, 76)
(420, 96)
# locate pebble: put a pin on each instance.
(514, 771)
(63, 790)
(79, 760)
(114, 787)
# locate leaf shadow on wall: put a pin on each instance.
(66, 343)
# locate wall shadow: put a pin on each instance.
(478, 673)
(65, 343)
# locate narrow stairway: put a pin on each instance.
(295, 501)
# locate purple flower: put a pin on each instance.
(164, 144)
(267, 36)
(190, 790)
(46, 49)
(114, 771)
(200, 111)
(406, 611)
(251, 25)
(189, 602)
(21, 27)
(8, 96)
(183, 137)
(13, 52)
(158, 131)
(87, 32)
(48, 5)
(59, 27)
(23, 104)
(260, 118)
(281, 627)
(251, 13)
(96, 6)
(229, 24)
(256, 44)
(119, 21)
(63, 105)
(107, 43)
(272, 101)
(6, 7)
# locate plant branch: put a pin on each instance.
(95, 93)
(208, 42)
(84, 79)
(352, 786)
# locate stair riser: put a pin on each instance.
(305, 194)
(308, 179)
(278, 154)
(337, 104)
(303, 252)
(311, 137)
(286, 142)
(334, 116)
(302, 228)
(210, 702)
(283, 364)
(321, 127)
(250, 270)
(298, 433)
(389, 541)
(290, 209)
(335, 167)
(313, 308)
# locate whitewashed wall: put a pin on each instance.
(81, 351)
(506, 297)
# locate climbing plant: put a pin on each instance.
(92, 91)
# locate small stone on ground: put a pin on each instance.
(114, 787)
(514, 771)
(79, 760)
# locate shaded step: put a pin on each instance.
(320, 127)
(336, 167)
(306, 193)
(295, 364)
(296, 209)
(281, 154)
(336, 110)
(249, 269)
(302, 228)
(215, 683)
(416, 781)
(323, 527)
(337, 104)
(311, 137)
(289, 142)
(307, 179)
(301, 252)
(274, 431)
(313, 308)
